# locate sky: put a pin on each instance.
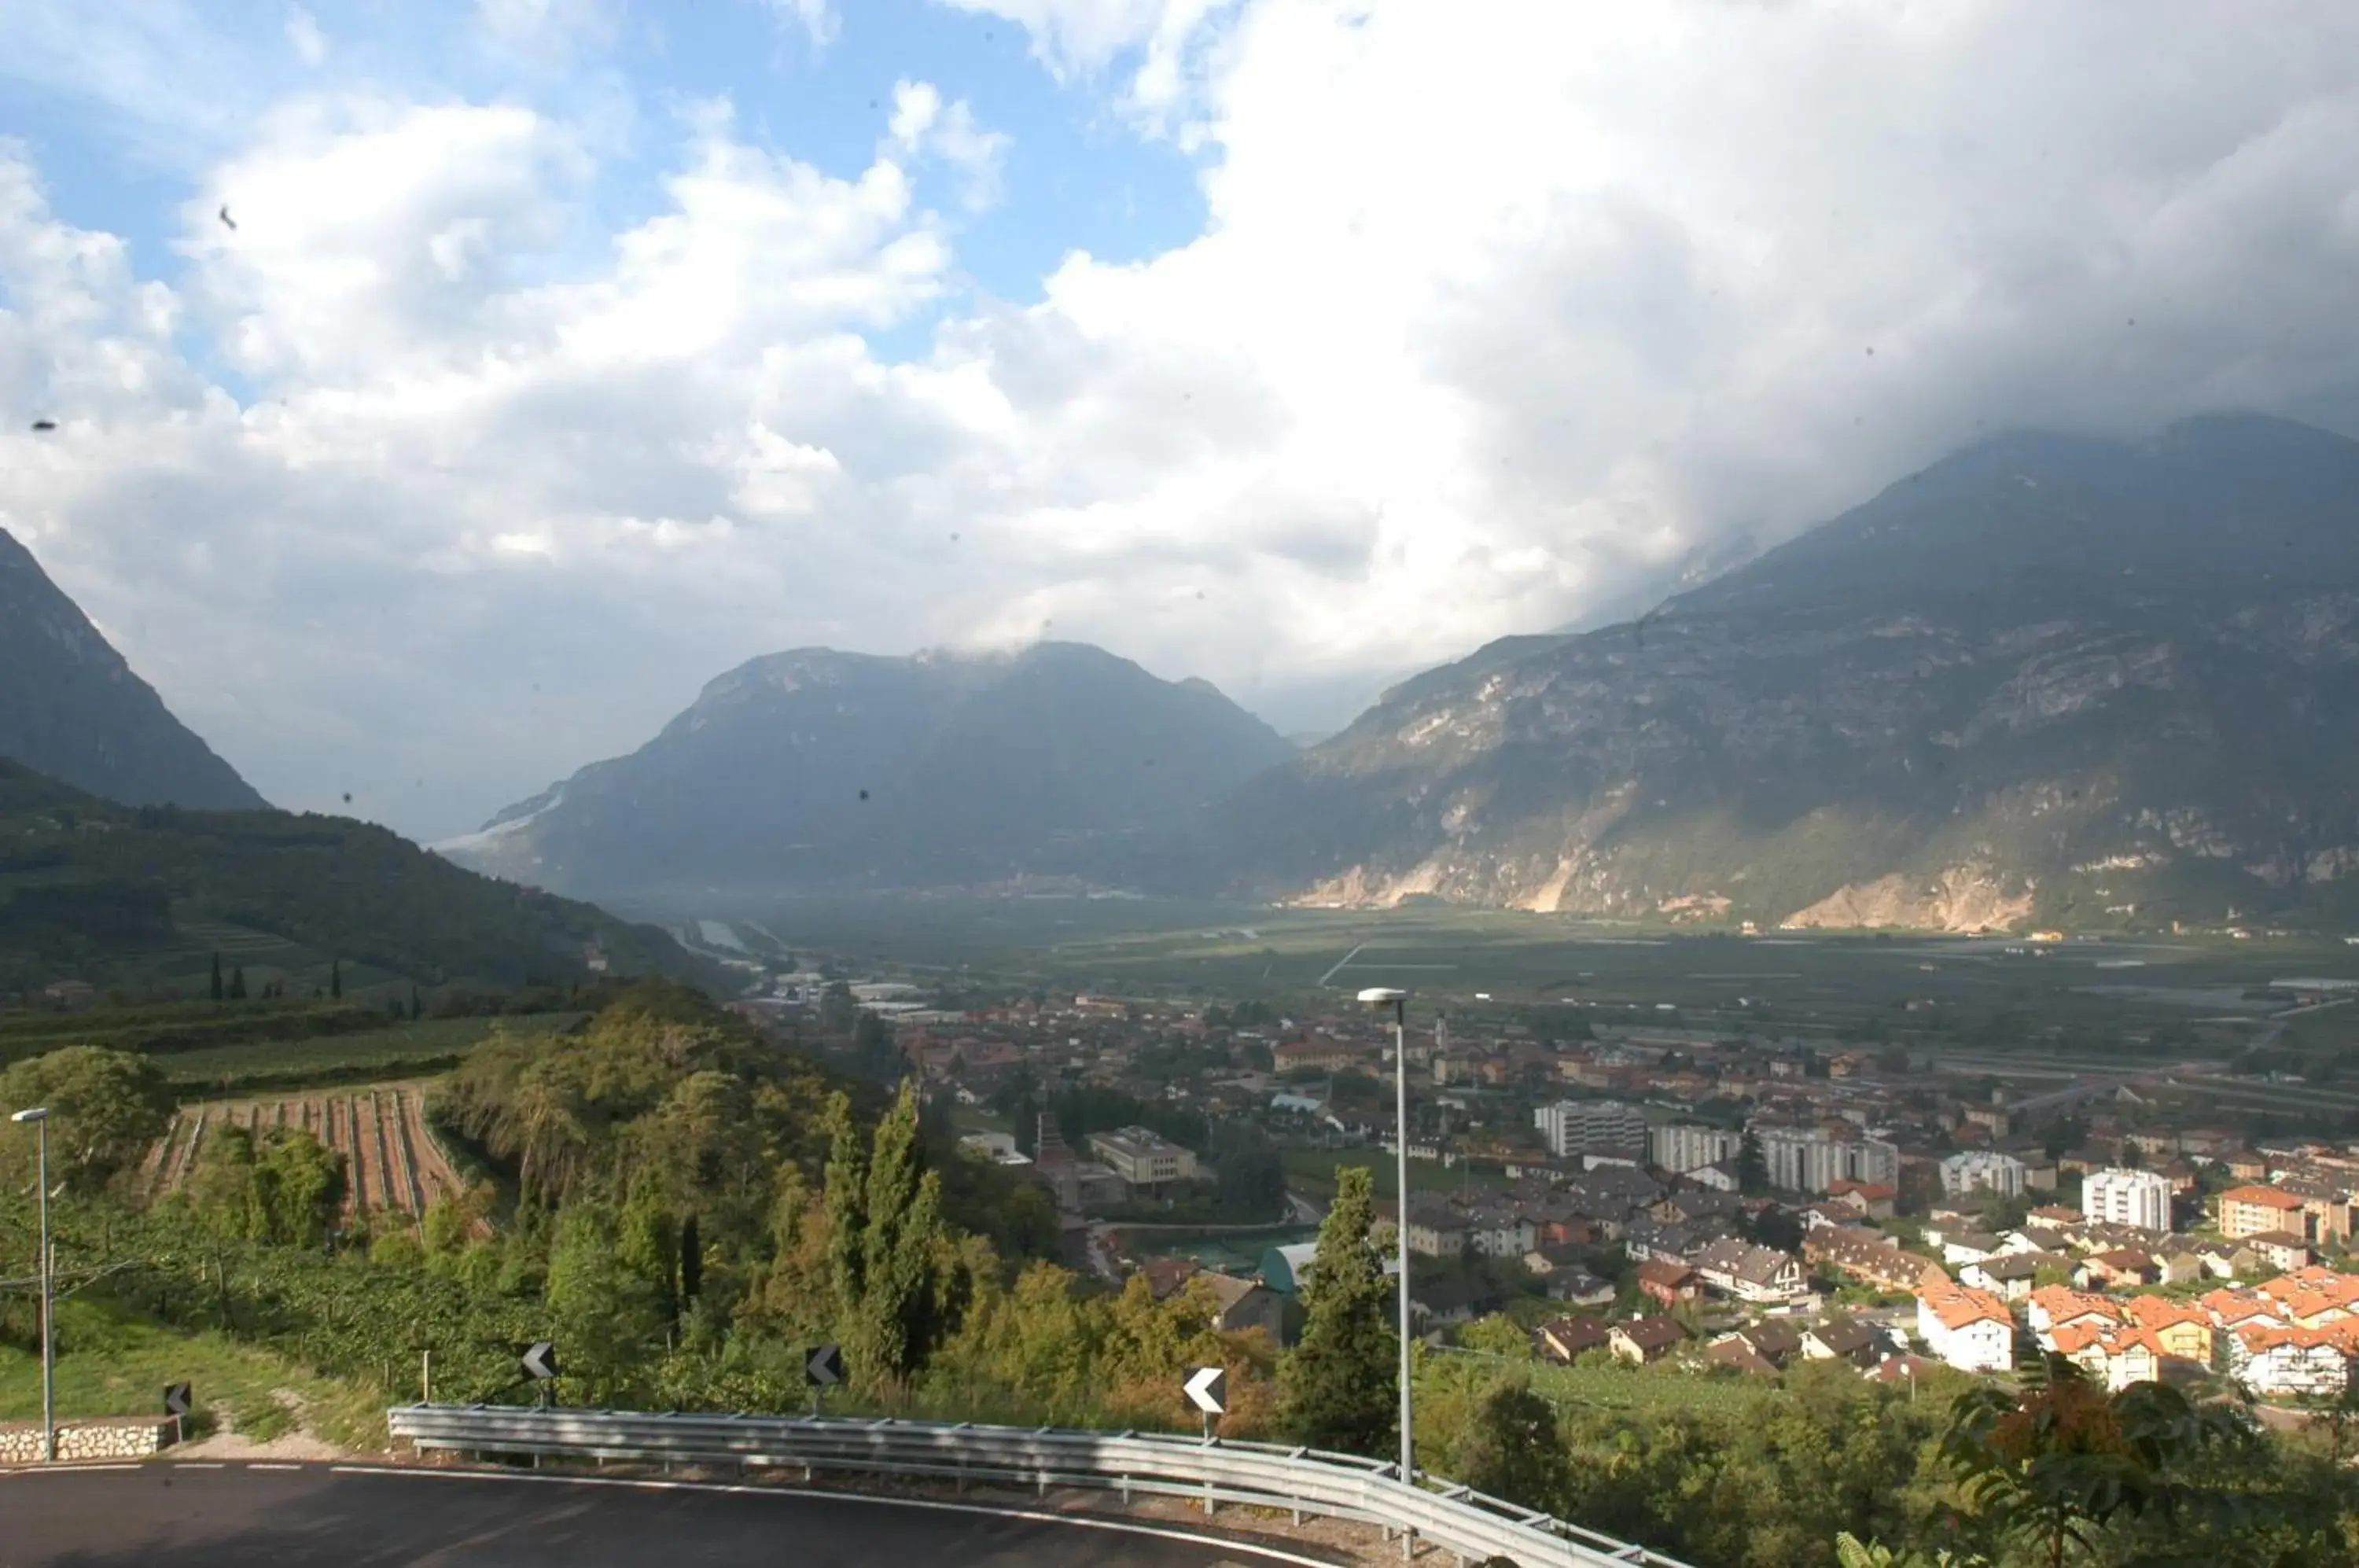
(445, 391)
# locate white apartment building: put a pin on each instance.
(1142, 1159)
(1683, 1146)
(1982, 1170)
(2140, 1198)
(1809, 1160)
(1585, 1126)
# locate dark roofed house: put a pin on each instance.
(1669, 1283)
(1750, 1273)
(1571, 1283)
(2012, 1275)
(1246, 1305)
(1869, 1256)
(1736, 1353)
(2120, 1268)
(1773, 1340)
(1167, 1277)
(1644, 1339)
(1567, 1339)
(1448, 1303)
(1844, 1339)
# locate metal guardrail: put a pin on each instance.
(1296, 1480)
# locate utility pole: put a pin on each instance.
(40, 1117)
(1398, 1002)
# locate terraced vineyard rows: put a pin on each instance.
(394, 1165)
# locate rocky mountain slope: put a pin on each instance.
(2050, 679)
(71, 707)
(822, 769)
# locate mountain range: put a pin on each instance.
(815, 768)
(2051, 677)
(71, 707)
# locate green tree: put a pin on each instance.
(2050, 1471)
(1338, 1387)
(217, 979)
(106, 1107)
(647, 1244)
(1498, 1334)
(336, 978)
(904, 1307)
(604, 1315)
(1751, 1167)
(846, 1194)
(237, 983)
(1513, 1448)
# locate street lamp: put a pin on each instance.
(40, 1117)
(1386, 997)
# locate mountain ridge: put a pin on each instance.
(71, 708)
(98, 890)
(939, 767)
(1942, 708)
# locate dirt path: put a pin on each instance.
(300, 1443)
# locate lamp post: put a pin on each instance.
(40, 1117)
(1386, 997)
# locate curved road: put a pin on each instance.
(352, 1516)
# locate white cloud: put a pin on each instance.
(550, 31)
(922, 125)
(816, 19)
(303, 34)
(1164, 42)
(1502, 311)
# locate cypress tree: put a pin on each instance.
(217, 977)
(237, 983)
(336, 978)
(1339, 1385)
(847, 1208)
(903, 1303)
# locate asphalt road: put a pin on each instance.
(238, 1516)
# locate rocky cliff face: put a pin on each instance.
(2051, 679)
(71, 707)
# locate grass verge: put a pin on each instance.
(110, 1364)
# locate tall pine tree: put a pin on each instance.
(336, 978)
(237, 983)
(1338, 1386)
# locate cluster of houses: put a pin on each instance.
(2294, 1334)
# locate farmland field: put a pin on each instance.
(1652, 1388)
(1483, 966)
(394, 1166)
(426, 1046)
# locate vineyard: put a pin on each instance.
(393, 1163)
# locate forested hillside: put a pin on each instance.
(140, 897)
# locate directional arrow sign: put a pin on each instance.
(540, 1361)
(176, 1398)
(1207, 1386)
(825, 1367)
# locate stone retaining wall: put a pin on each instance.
(116, 1437)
